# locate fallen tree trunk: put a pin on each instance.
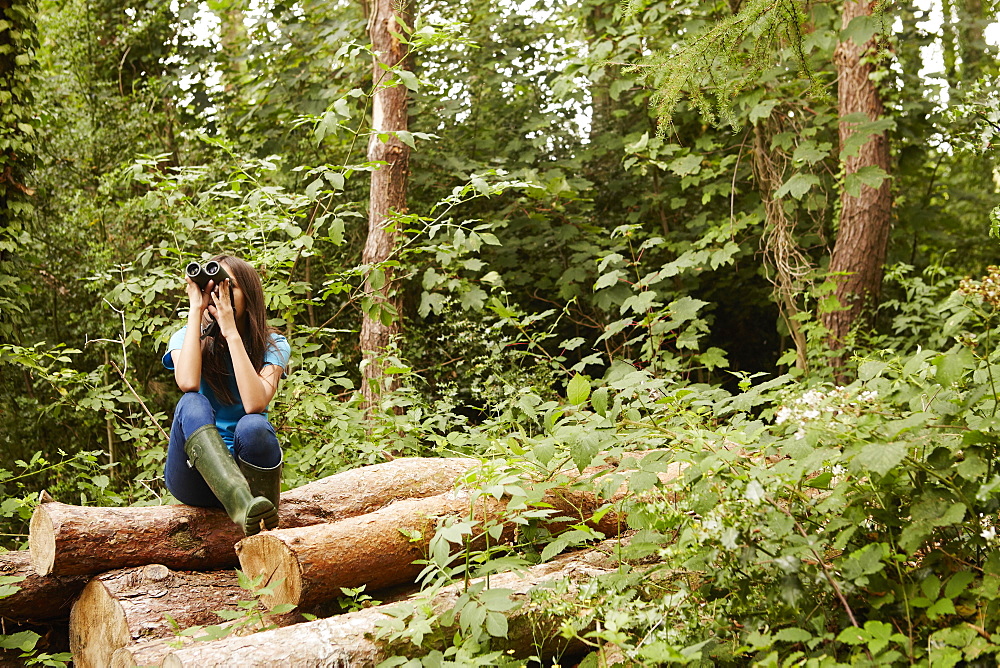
(311, 564)
(146, 603)
(38, 598)
(352, 639)
(77, 540)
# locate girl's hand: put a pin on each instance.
(221, 309)
(197, 299)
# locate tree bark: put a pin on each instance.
(39, 598)
(75, 540)
(387, 194)
(351, 639)
(311, 564)
(129, 605)
(863, 237)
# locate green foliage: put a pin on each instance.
(715, 64)
(574, 284)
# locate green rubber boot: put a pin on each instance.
(263, 482)
(208, 453)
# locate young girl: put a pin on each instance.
(223, 451)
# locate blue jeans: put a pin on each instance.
(255, 443)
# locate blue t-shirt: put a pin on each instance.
(227, 415)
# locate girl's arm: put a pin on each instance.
(187, 360)
(256, 389)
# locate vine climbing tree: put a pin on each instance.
(18, 41)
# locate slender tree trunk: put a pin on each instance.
(380, 322)
(863, 238)
(234, 41)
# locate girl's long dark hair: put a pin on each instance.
(215, 356)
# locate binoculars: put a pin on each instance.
(203, 273)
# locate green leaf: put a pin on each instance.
(335, 179)
(793, 634)
(952, 366)
(852, 635)
(871, 369)
(406, 138)
(870, 175)
(686, 166)
(797, 186)
(409, 79)
(24, 641)
(584, 449)
(811, 152)
(608, 279)
(880, 458)
(762, 110)
(578, 389)
(599, 400)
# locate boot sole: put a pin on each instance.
(260, 511)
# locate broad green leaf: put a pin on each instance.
(952, 366)
(797, 186)
(608, 279)
(870, 175)
(599, 400)
(871, 369)
(409, 79)
(689, 164)
(578, 389)
(880, 458)
(24, 641)
(583, 449)
(793, 634)
(811, 152)
(406, 138)
(762, 110)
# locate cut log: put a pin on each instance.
(77, 540)
(147, 653)
(351, 639)
(133, 604)
(38, 599)
(152, 652)
(308, 565)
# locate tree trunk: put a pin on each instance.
(863, 236)
(74, 540)
(311, 564)
(126, 606)
(380, 320)
(351, 639)
(38, 598)
(234, 41)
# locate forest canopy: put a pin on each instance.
(759, 236)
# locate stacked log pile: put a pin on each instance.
(136, 575)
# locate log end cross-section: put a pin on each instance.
(42, 541)
(265, 554)
(88, 641)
